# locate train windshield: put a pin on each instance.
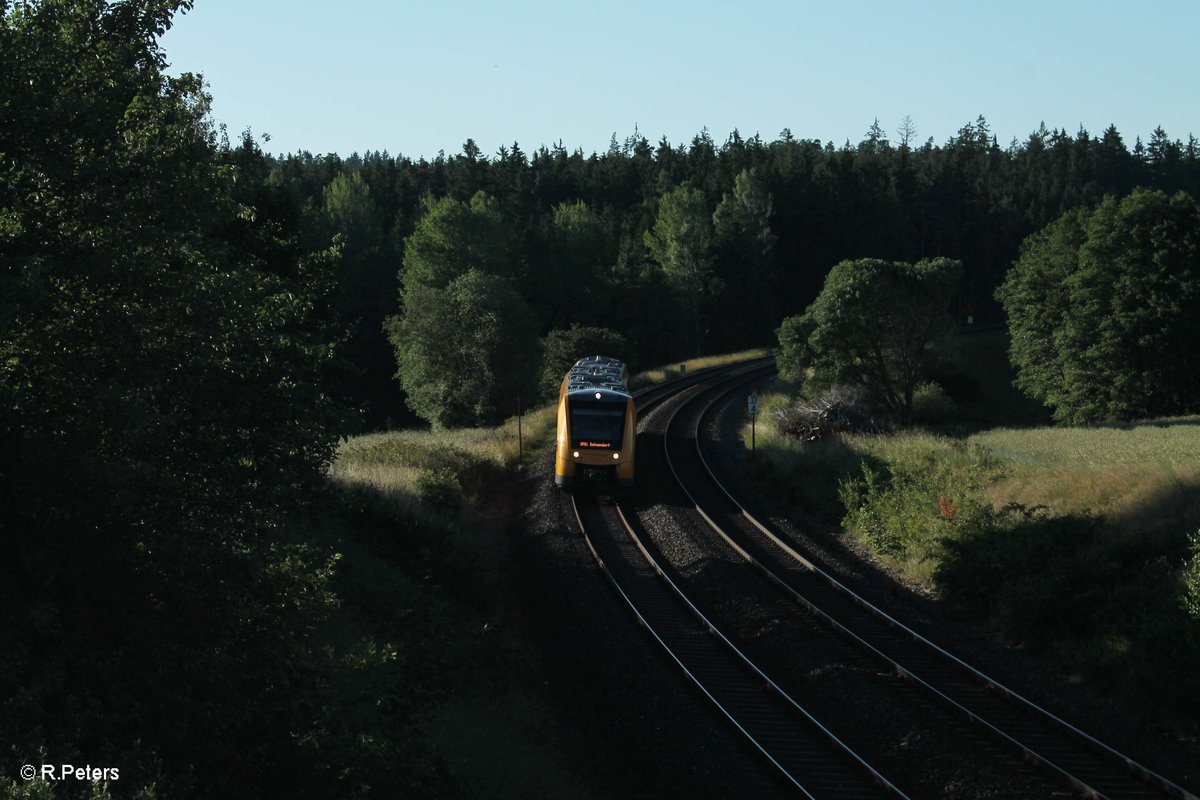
(597, 425)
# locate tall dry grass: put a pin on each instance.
(1140, 476)
(393, 462)
(657, 375)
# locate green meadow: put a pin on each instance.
(1078, 543)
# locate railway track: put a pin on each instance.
(805, 754)
(1080, 761)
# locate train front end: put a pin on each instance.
(597, 428)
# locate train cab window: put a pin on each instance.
(597, 425)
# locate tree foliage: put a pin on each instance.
(453, 237)
(363, 297)
(466, 352)
(571, 282)
(562, 348)
(1104, 310)
(681, 243)
(873, 324)
(572, 228)
(161, 414)
(745, 262)
(169, 307)
(1191, 578)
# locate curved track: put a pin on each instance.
(1088, 766)
(805, 754)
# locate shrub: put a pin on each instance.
(931, 405)
(912, 509)
(440, 490)
(924, 496)
(1191, 579)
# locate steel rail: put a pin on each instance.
(1149, 777)
(825, 739)
(654, 633)
(789, 744)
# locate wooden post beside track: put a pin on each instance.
(752, 405)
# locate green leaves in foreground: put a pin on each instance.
(161, 418)
(1191, 579)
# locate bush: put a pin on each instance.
(922, 498)
(931, 405)
(440, 490)
(1191, 579)
(913, 507)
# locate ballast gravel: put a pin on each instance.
(629, 725)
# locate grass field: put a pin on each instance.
(664, 373)
(399, 464)
(1141, 476)
(1078, 542)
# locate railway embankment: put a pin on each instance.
(487, 657)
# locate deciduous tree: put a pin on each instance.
(466, 352)
(562, 348)
(681, 243)
(1104, 310)
(569, 284)
(745, 263)
(453, 237)
(873, 324)
(364, 368)
(161, 414)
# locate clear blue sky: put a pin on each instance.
(414, 79)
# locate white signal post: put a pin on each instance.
(752, 405)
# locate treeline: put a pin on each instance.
(1103, 311)
(589, 239)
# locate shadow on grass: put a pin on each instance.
(1100, 601)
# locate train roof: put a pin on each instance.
(597, 372)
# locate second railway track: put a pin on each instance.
(805, 754)
(1088, 767)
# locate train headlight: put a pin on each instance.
(616, 456)
(576, 454)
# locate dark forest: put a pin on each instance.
(781, 214)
